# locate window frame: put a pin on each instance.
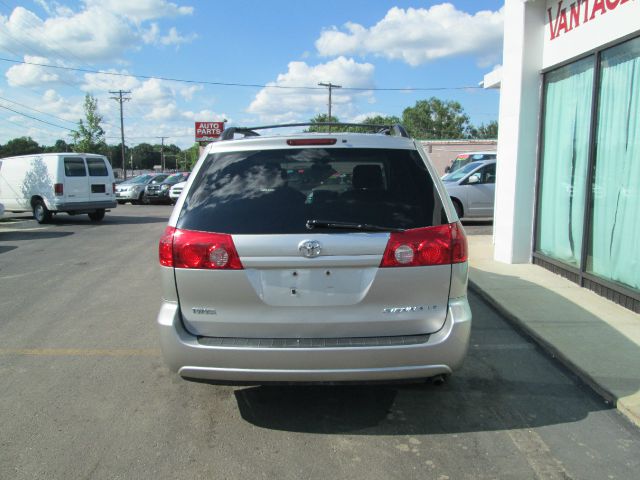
(616, 292)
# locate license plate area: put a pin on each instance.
(312, 287)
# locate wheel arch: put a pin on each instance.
(458, 203)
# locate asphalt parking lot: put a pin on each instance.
(85, 393)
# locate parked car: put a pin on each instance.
(50, 183)
(133, 190)
(159, 192)
(175, 191)
(472, 189)
(364, 282)
(465, 158)
(1, 209)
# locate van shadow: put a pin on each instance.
(506, 383)
(18, 235)
(7, 248)
(67, 220)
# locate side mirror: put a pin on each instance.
(447, 169)
(473, 179)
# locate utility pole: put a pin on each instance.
(162, 152)
(330, 86)
(120, 99)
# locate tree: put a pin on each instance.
(59, 146)
(145, 156)
(20, 146)
(435, 118)
(89, 137)
(489, 131)
(382, 120)
(191, 156)
(321, 118)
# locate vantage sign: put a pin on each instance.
(567, 16)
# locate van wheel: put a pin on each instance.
(40, 212)
(458, 207)
(97, 215)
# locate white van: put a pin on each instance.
(50, 183)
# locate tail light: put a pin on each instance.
(440, 245)
(113, 186)
(58, 189)
(199, 250)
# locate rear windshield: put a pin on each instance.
(140, 179)
(97, 167)
(278, 191)
(176, 178)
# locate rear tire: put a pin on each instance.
(121, 202)
(40, 212)
(97, 215)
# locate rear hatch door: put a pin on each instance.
(320, 283)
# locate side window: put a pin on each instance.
(74, 167)
(97, 168)
(489, 174)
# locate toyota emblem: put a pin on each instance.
(310, 248)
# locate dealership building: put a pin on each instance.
(568, 175)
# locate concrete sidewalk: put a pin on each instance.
(597, 339)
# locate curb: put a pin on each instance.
(630, 413)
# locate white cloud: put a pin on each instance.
(52, 102)
(163, 112)
(153, 92)
(93, 34)
(419, 35)
(101, 82)
(206, 115)
(25, 75)
(100, 30)
(188, 92)
(174, 38)
(361, 117)
(284, 104)
(141, 10)
(151, 35)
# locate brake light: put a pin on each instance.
(311, 141)
(113, 186)
(58, 189)
(165, 248)
(440, 245)
(463, 156)
(198, 250)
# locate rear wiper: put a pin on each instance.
(363, 227)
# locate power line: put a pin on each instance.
(35, 110)
(230, 84)
(35, 118)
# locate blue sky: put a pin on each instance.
(370, 45)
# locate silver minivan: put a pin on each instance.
(314, 257)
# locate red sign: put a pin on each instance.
(569, 16)
(208, 131)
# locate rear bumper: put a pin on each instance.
(128, 195)
(443, 353)
(83, 206)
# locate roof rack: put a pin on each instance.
(396, 129)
